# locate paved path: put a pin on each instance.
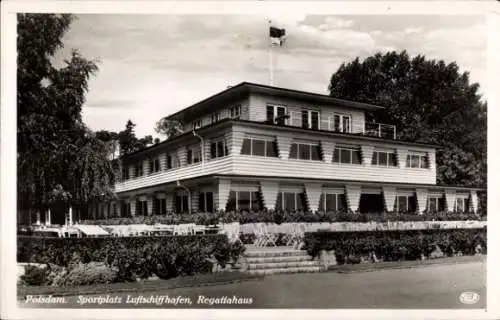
(429, 287)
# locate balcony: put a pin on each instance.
(380, 130)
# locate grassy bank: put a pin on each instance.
(139, 286)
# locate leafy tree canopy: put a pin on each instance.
(429, 101)
(127, 140)
(169, 127)
(58, 156)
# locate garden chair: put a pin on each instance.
(297, 236)
(232, 230)
(184, 229)
(269, 237)
(199, 229)
(258, 233)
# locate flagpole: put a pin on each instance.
(270, 57)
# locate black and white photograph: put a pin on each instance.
(267, 159)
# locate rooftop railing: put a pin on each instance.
(380, 130)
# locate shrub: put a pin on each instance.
(90, 273)
(395, 245)
(202, 218)
(134, 257)
(35, 275)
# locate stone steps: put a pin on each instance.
(278, 260)
(281, 265)
(284, 270)
(276, 253)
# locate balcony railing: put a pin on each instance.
(380, 130)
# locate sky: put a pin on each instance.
(151, 66)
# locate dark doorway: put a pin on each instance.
(371, 203)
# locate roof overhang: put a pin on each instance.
(368, 184)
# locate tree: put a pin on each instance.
(429, 101)
(127, 139)
(169, 127)
(51, 135)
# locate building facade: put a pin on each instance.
(255, 147)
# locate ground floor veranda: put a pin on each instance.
(237, 193)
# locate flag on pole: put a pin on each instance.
(277, 36)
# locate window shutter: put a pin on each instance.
(213, 150)
(293, 151)
(270, 114)
(336, 155)
(394, 160)
(305, 119)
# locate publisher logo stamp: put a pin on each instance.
(469, 297)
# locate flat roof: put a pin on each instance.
(243, 89)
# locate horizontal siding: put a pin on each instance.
(215, 166)
(258, 103)
(262, 166)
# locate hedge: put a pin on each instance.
(394, 245)
(132, 257)
(203, 218)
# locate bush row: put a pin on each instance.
(282, 217)
(134, 257)
(395, 245)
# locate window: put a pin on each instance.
(305, 151)
(218, 149)
(244, 201)
(113, 210)
(181, 203)
(235, 112)
(197, 124)
(193, 155)
(276, 114)
(154, 165)
(139, 170)
(435, 204)
(310, 119)
(125, 174)
(259, 147)
(141, 208)
(332, 202)
(461, 204)
(172, 161)
(125, 210)
(414, 160)
(405, 203)
(384, 158)
(291, 201)
(347, 154)
(206, 202)
(215, 117)
(340, 123)
(160, 206)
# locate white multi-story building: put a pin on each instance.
(254, 147)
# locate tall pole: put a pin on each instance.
(270, 55)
